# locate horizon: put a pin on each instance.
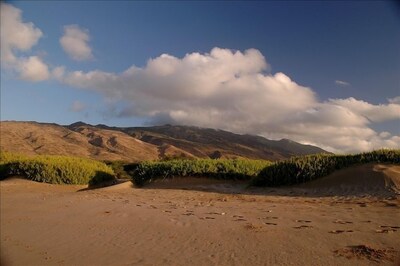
(324, 74)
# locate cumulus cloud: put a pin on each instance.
(75, 43)
(77, 106)
(16, 37)
(342, 83)
(232, 90)
(374, 113)
(33, 69)
(395, 100)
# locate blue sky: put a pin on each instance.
(343, 57)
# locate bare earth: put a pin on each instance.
(202, 222)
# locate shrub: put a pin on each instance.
(118, 168)
(306, 168)
(55, 169)
(238, 169)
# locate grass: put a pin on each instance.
(55, 169)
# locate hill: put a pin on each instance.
(38, 138)
(213, 143)
(142, 143)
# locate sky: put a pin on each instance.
(321, 73)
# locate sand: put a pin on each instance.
(197, 222)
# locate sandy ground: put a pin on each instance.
(198, 222)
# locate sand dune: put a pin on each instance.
(44, 224)
(377, 180)
(370, 179)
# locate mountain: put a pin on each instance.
(39, 138)
(102, 142)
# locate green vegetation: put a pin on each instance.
(260, 173)
(238, 169)
(118, 168)
(70, 170)
(55, 169)
(306, 168)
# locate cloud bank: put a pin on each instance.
(75, 43)
(16, 37)
(232, 90)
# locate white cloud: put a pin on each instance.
(33, 69)
(77, 106)
(58, 73)
(18, 36)
(75, 43)
(230, 90)
(342, 83)
(375, 113)
(395, 100)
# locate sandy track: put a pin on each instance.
(45, 224)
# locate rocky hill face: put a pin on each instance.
(142, 143)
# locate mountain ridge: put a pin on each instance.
(103, 142)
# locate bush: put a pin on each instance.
(306, 168)
(55, 169)
(238, 169)
(119, 169)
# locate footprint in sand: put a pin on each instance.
(303, 221)
(390, 226)
(239, 218)
(340, 231)
(216, 213)
(207, 218)
(302, 227)
(271, 223)
(387, 229)
(269, 218)
(342, 222)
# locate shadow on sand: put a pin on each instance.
(381, 181)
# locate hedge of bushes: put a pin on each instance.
(306, 168)
(72, 170)
(55, 169)
(238, 169)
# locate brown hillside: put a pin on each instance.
(142, 143)
(212, 143)
(38, 138)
